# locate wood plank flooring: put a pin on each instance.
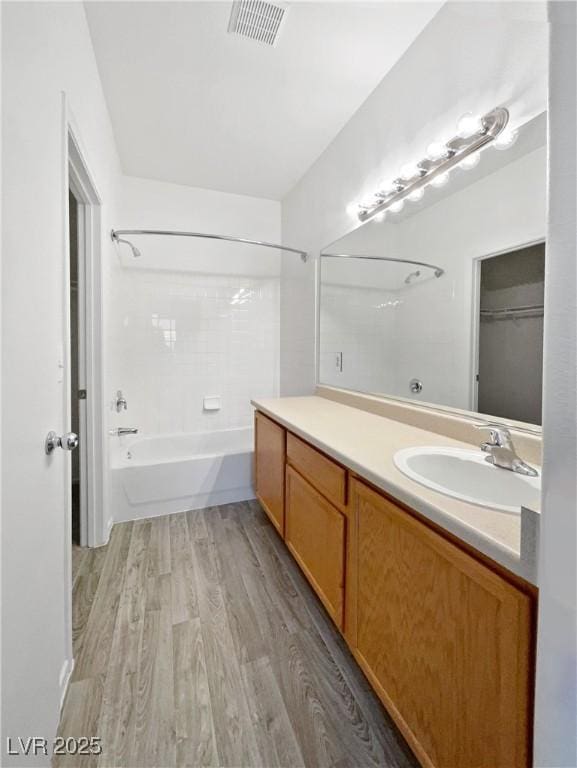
(198, 642)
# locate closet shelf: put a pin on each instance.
(530, 310)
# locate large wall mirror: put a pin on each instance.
(442, 302)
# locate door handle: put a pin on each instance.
(67, 442)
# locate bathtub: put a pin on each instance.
(158, 475)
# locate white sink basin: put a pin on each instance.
(466, 475)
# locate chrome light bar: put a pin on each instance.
(474, 134)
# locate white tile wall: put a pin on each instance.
(182, 336)
(194, 317)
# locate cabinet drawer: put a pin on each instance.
(329, 478)
(315, 534)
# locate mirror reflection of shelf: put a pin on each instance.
(531, 310)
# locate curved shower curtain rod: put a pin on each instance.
(115, 234)
(438, 270)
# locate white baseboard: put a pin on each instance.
(64, 679)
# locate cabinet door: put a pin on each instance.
(270, 452)
(315, 534)
(445, 641)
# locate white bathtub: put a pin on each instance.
(162, 474)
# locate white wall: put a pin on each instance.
(357, 324)
(46, 51)
(429, 331)
(484, 54)
(194, 317)
(556, 710)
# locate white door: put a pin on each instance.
(36, 523)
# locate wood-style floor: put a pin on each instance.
(199, 643)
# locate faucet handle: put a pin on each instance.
(500, 435)
(120, 401)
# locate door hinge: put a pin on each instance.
(82, 394)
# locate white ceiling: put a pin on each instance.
(195, 105)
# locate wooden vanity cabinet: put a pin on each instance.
(445, 637)
(445, 641)
(269, 469)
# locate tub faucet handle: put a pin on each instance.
(120, 403)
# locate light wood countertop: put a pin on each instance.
(366, 443)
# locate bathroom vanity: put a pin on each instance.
(429, 592)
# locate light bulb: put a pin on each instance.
(470, 161)
(379, 216)
(369, 202)
(437, 151)
(397, 206)
(416, 194)
(353, 209)
(388, 188)
(506, 139)
(468, 125)
(409, 171)
(440, 180)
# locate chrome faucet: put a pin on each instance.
(119, 431)
(502, 452)
(120, 401)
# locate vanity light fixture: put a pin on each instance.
(473, 134)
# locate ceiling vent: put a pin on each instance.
(257, 20)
